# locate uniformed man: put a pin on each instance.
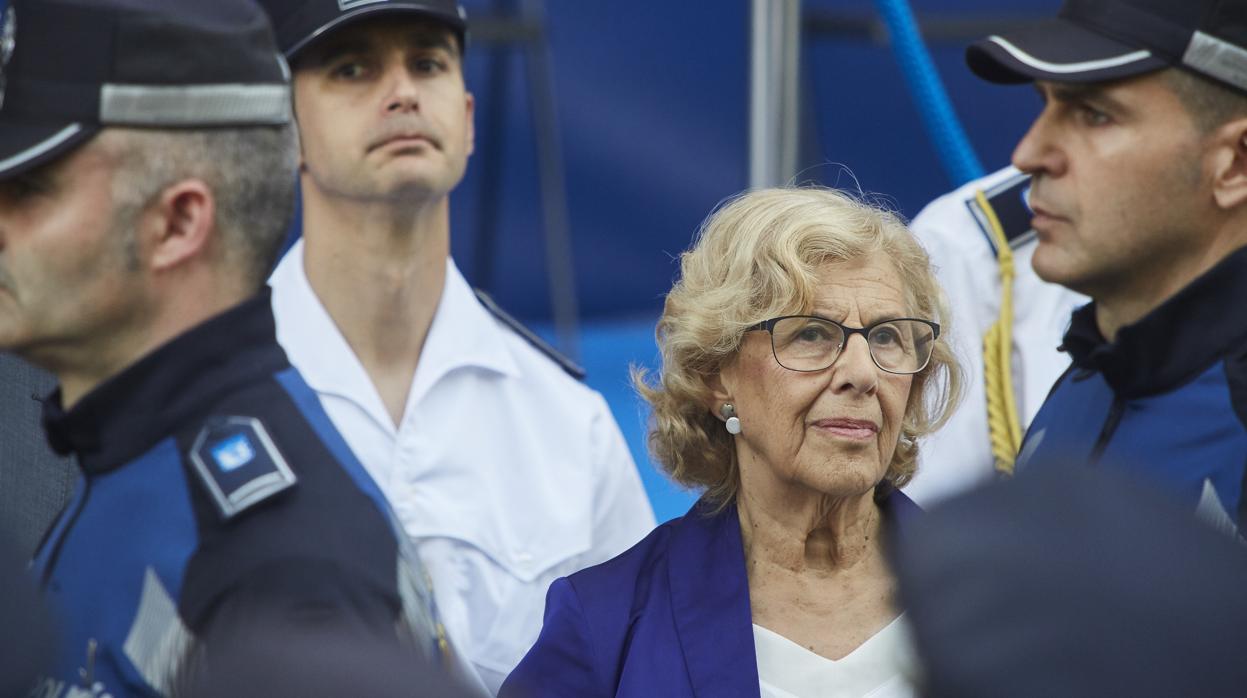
(144, 152)
(506, 470)
(1139, 193)
(1007, 325)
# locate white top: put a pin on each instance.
(505, 471)
(959, 456)
(878, 668)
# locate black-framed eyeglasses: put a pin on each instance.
(812, 343)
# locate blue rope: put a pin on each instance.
(942, 126)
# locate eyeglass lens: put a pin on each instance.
(811, 344)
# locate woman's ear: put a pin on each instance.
(720, 385)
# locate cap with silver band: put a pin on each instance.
(298, 23)
(71, 67)
(1100, 40)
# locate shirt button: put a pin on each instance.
(522, 557)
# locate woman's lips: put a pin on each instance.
(848, 428)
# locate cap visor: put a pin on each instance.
(25, 146)
(1060, 51)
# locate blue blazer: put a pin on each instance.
(669, 617)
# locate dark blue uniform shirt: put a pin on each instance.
(1167, 400)
(216, 496)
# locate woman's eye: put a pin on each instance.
(813, 333)
(885, 336)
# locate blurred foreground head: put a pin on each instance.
(1074, 582)
(26, 635)
(275, 657)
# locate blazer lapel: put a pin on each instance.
(710, 602)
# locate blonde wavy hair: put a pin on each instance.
(757, 257)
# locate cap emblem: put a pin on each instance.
(8, 42)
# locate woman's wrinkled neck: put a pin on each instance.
(806, 532)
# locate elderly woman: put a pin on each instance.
(802, 360)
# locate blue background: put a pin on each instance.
(652, 109)
(651, 104)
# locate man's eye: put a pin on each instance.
(1092, 116)
(22, 187)
(430, 65)
(348, 70)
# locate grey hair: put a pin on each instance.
(251, 172)
(1209, 103)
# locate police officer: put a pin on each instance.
(1007, 325)
(506, 470)
(1139, 192)
(142, 199)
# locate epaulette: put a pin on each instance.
(238, 464)
(571, 367)
(1008, 200)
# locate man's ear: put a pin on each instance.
(178, 224)
(1229, 162)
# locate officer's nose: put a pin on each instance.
(402, 90)
(1039, 151)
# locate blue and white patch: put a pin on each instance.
(239, 464)
(1010, 200)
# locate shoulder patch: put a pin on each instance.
(238, 463)
(1008, 200)
(571, 367)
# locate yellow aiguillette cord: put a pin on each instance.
(1002, 410)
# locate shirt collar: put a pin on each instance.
(1171, 345)
(463, 335)
(126, 415)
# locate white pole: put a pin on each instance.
(774, 99)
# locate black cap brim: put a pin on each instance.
(417, 9)
(24, 146)
(1060, 51)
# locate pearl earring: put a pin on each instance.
(733, 422)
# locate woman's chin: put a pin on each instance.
(843, 480)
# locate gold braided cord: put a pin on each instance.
(1002, 409)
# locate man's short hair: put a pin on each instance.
(250, 170)
(1209, 103)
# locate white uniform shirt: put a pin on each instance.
(505, 471)
(959, 456)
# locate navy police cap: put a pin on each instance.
(1099, 40)
(298, 23)
(71, 67)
